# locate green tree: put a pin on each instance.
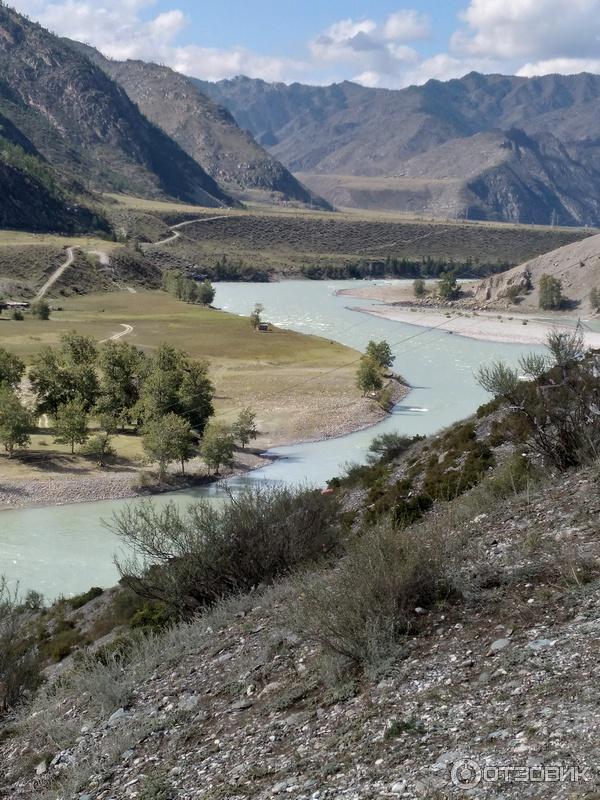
(70, 424)
(60, 375)
(369, 376)
(177, 384)
(99, 447)
(244, 428)
(447, 287)
(217, 446)
(40, 309)
(551, 296)
(12, 369)
(195, 395)
(256, 315)
(206, 293)
(419, 287)
(380, 353)
(166, 439)
(122, 369)
(15, 421)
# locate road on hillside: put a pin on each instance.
(176, 233)
(56, 275)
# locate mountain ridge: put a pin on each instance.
(205, 130)
(343, 130)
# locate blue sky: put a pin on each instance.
(377, 43)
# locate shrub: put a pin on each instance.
(551, 296)
(83, 599)
(556, 410)
(419, 287)
(391, 573)
(389, 446)
(20, 665)
(193, 558)
(40, 309)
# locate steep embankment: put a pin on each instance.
(576, 265)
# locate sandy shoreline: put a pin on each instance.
(485, 326)
(22, 493)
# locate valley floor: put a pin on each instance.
(302, 388)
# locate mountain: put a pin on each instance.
(33, 195)
(84, 124)
(576, 265)
(205, 130)
(515, 149)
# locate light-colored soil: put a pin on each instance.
(511, 327)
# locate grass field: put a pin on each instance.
(285, 376)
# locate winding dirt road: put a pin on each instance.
(127, 329)
(57, 273)
(176, 233)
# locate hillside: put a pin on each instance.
(34, 196)
(206, 131)
(470, 633)
(84, 125)
(338, 138)
(576, 265)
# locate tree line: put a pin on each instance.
(167, 397)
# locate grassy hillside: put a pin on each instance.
(320, 244)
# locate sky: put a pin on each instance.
(377, 43)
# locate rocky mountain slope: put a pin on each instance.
(206, 131)
(334, 135)
(576, 265)
(84, 125)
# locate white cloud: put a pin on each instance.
(530, 29)
(528, 37)
(560, 66)
(407, 26)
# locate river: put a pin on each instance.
(65, 550)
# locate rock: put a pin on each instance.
(499, 734)
(295, 720)
(541, 644)
(241, 705)
(498, 646)
(188, 702)
(41, 768)
(449, 758)
(398, 788)
(119, 716)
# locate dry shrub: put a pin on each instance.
(192, 559)
(359, 610)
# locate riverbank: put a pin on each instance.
(55, 489)
(510, 328)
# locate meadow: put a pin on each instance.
(284, 376)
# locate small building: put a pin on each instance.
(14, 305)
